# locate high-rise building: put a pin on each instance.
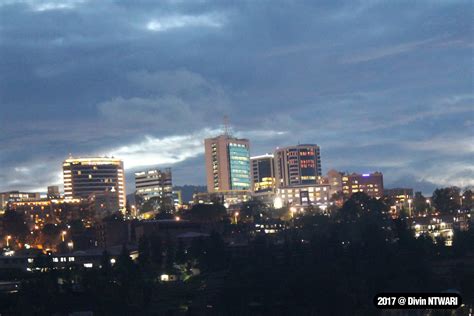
(297, 165)
(369, 183)
(154, 183)
(227, 163)
(95, 177)
(263, 174)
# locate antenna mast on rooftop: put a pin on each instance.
(226, 126)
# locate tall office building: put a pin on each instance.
(95, 177)
(369, 183)
(263, 174)
(227, 163)
(297, 165)
(154, 183)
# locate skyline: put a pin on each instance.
(378, 86)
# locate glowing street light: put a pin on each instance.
(409, 207)
(63, 233)
(292, 211)
(278, 203)
(8, 240)
(236, 216)
(428, 201)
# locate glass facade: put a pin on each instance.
(239, 163)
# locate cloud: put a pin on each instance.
(89, 77)
(459, 174)
(382, 52)
(180, 21)
(50, 5)
(169, 150)
(452, 145)
(177, 101)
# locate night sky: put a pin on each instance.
(379, 86)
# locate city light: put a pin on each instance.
(236, 215)
(277, 202)
(293, 211)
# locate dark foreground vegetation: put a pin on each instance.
(320, 265)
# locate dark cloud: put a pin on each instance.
(379, 85)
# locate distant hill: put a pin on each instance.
(187, 191)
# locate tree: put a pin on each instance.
(105, 263)
(170, 254)
(159, 204)
(446, 199)
(207, 212)
(467, 202)
(144, 251)
(14, 224)
(253, 209)
(419, 203)
(180, 253)
(156, 249)
(50, 235)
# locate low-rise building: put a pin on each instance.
(368, 183)
(16, 196)
(304, 196)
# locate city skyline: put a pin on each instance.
(141, 83)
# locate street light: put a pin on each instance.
(8, 240)
(63, 233)
(409, 207)
(293, 211)
(236, 215)
(278, 202)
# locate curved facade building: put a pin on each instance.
(84, 177)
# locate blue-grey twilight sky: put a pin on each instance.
(378, 85)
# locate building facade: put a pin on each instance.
(263, 174)
(95, 178)
(53, 192)
(227, 163)
(16, 196)
(297, 165)
(400, 196)
(369, 183)
(334, 179)
(154, 183)
(304, 196)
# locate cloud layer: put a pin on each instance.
(379, 85)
